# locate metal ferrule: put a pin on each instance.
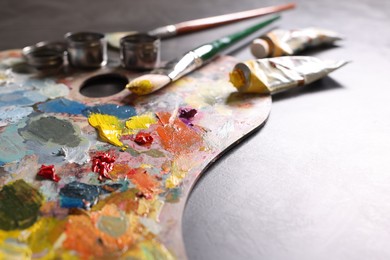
(180, 67)
(164, 32)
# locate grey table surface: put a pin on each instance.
(314, 182)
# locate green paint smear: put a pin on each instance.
(113, 226)
(132, 151)
(51, 129)
(19, 205)
(154, 251)
(152, 153)
(173, 195)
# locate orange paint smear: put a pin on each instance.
(125, 201)
(146, 183)
(176, 136)
(83, 236)
(77, 239)
(119, 170)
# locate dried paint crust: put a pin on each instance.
(124, 164)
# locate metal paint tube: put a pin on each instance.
(289, 42)
(274, 75)
(45, 56)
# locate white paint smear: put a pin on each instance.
(13, 114)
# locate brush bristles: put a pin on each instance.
(147, 84)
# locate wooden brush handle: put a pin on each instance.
(205, 23)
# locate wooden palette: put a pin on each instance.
(135, 209)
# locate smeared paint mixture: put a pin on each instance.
(90, 179)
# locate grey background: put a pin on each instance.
(314, 182)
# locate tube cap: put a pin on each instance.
(260, 48)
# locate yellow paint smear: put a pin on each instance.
(179, 169)
(109, 128)
(137, 123)
(140, 87)
(41, 238)
(150, 208)
(3, 77)
(14, 250)
(45, 237)
(149, 250)
(146, 166)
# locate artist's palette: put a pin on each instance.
(107, 178)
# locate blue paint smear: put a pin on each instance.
(67, 202)
(122, 112)
(79, 195)
(12, 146)
(2, 163)
(39, 83)
(13, 114)
(21, 98)
(63, 105)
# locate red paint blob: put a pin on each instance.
(48, 172)
(143, 139)
(103, 163)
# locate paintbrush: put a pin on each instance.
(200, 24)
(190, 61)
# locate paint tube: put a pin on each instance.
(289, 42)
(274, 75)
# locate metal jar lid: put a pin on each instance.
(45, 55)
(86, 50)
(140, 51)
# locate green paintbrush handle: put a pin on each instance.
(208, 51)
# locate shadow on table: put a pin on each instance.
(324, 84)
